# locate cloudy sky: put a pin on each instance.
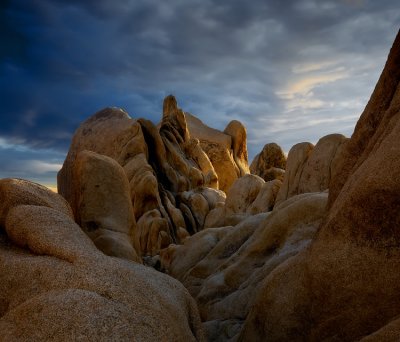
(291, 70)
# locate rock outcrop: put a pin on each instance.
(315, 257)
(270, 163)
(56, 285)
(104, 207)
(168, 177)
(249, 195)
(223, 267)
(310, 168)
(346, 285)
(226, 150)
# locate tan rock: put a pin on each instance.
(269, 163)
(223, 162)
(198, 206)
(249, 195)
(202, 132)
(297, 158)
(223, 267)
(148, 230)
(58, 286)
(60, 237)
(220, 149)
(239, 145)
(121, 139)
(194, 150)
(216, 217)
(276, 237)
(14, 192)
(242, 194)
(316, 174)
(265, 199)
(213, 196)
(349, 277)
(104, 209)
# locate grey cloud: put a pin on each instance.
(223, 60)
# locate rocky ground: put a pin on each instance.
(164, 233)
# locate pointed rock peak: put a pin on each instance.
(170, 105)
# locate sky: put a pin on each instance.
(290, 71)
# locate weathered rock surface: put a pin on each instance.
(226, 150)
(56, 285)
(14, 192)
(276, 261)
(346, 285)
(310, 168)
(223, 267)
(249, 195)
(104, 207)
(270, 163)
(169, 179)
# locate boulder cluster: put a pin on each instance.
(164, 233)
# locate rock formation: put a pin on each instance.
(227, 150)
(249, 195)
(56, 285)
(310, 168)
(163, 172)
(346, 285)
(270, 163)
(223, 267)
(312, 256)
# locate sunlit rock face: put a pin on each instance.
(270, 163)
(226, 150)
(171, 181)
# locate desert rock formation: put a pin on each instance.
(346, 285)
(308, 254)
(270, 163)
(56, 285)
(226, 150)
(163, 172)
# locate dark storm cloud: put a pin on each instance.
(290, 70)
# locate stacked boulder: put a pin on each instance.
(226, 150)
(134, 187)
(270, 163)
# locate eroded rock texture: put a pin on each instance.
(226, 150)
(346, 285)
(56, 285)
(169, 180)
(312, 257)
(223, 268)
(310, 168)
(270, 163)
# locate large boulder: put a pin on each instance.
(226, 150)
(161, 165)
(270, 163)
(310, 168)
(347, 284)
(56, 285)
(104, 208)
(14, 192)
